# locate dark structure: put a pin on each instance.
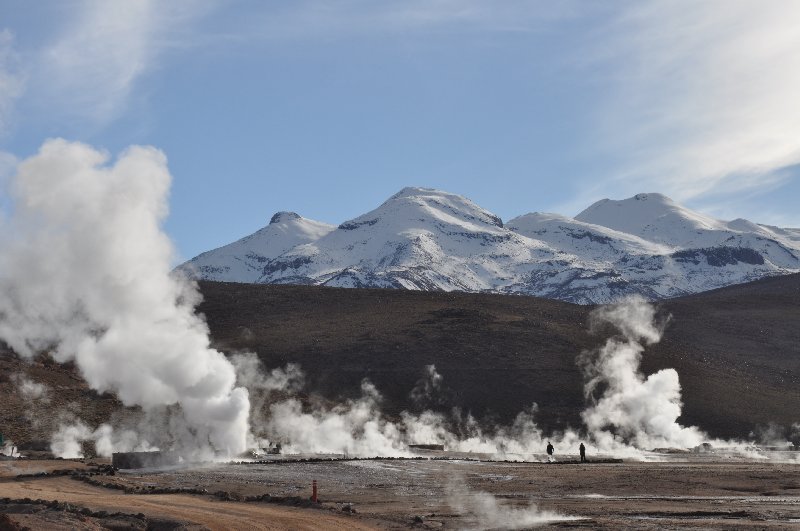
(126, 460)
(439, 447)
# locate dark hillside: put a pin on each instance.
(737, 349)
(29, 421)
(498, 354)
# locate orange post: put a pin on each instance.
(314, 491)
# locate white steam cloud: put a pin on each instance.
(631, 415)
(489, 513)
(355, 428)
(29, 390)
(358, 428)
(85, 275)
(68, 440)
(428, 388)
(633, 410)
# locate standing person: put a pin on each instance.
(550, 451)
(582, 449)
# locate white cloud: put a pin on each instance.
(91, 68)
(704, 96)
(95, 63)
(88, 69)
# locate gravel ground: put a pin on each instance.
(678, 491)
(670, 492)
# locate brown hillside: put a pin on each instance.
(737, 351)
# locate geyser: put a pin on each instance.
(633, 409)
(85, 275)
(633, 413)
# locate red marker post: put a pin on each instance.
(314, 491)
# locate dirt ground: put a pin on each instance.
(679, 492)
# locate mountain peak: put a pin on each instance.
(411, 191)
(651, 215)
(423, 238)
(441, 205)
(284, 216)
(653, 197)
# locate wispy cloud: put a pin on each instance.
(703, 96)
(697, 100)
(90, 68)
(95, 63)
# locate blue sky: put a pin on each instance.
(328, 108)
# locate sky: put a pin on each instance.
(327, 108)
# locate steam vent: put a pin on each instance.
(128, 460)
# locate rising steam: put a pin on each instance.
(632, 413)
(633, 410)
(489, 513)
(85, 276)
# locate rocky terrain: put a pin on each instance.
(430, 240)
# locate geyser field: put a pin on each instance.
(688, 409)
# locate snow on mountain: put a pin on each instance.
(418, 239)
(654, 217)
(657, 218)
(432, 240)
(585, 238)
(244, 260)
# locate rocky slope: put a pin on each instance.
(423, 239)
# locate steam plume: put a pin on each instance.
(633, 410)
(491, 514)
(85, 275)
(631, 414)
(355, 428)
(428, 388)
(68, 440)
(29, 390)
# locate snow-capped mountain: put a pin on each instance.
(244, 260)
(432, 240)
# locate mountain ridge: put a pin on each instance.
(427, 239)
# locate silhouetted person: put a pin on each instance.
(582, 449)
(550, 450)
